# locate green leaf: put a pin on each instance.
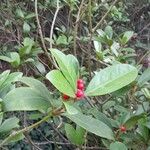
(144, 132)
(144, 77)
(9, 124)
(3, 76)
(39, 66)
(98, 46)
(75, 136)
(114, 48)
(26, 27)
(70, 108)
(7, 85)
(109, 31)
(19, 13)
(132, 121)
(25, 99)
(104, 38)
(92, 125)
(15, 138)
(75, 64)
(15, 59)
(62, 39)
(117, 146)
(5, 58)
(60, 82)
(68, 65)
(1, 117)
(101, 116)
(27, 48)
(126, 37)
(121, 109)
(111, 79)
(29, 16)
(37, 86)
(101, 33)
(108, 105)
(146, 92)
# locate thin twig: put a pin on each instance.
(90, 39)
(145, 55)
(41, 34)
(76, 28)
(53, 23)
(61, 143)
(99, 23)
(31, 142)
(144, 28)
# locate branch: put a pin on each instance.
(41, 34)
(76, 28)
(25, 129)
(53, 23)
(90, 38)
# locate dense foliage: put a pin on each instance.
(75, 74)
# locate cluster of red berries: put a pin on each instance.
(80, 91)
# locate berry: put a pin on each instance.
(80, 86)
(65, 97)
(79, 94)
(80, 81)
(123, 129)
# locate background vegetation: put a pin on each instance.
(99, 33)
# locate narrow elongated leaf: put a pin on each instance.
(92, 125)
(60, 82)
(9, 124)
(1, 117)
(117, 146)
(24, 99)
(111, 79)
(15, 138)
(68, 66)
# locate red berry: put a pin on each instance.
(123, 129)
(80, 86)
(65, 97)
(80, 81)
(79, 94)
